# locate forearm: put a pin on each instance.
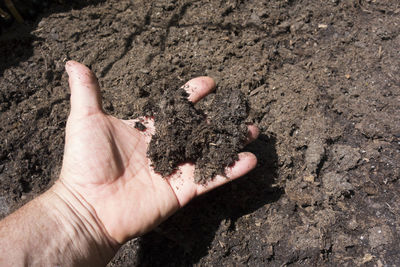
(55, 229)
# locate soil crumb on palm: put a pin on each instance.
(210, 137)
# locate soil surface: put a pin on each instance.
(323, 82)
(209, 138)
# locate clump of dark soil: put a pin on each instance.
(210, 138)
(140, 126)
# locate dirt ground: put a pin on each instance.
(323, 82)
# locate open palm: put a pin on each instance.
(105, 162)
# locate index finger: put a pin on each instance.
(199, 87)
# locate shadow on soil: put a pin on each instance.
(186, 237)
(16, 39)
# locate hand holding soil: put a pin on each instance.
(108, 192)
(105, 162)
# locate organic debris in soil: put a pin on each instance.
(210, 138)
(140, 126)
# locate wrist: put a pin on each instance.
(85, 239)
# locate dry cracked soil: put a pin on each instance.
(323, 83)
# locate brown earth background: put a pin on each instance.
(323, 81)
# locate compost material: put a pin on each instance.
(322, 79)
(210, 138)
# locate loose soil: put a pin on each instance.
(323, 82)
(211, 138)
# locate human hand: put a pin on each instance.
(106, 169)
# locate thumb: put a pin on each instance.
(85, 90)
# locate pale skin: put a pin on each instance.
(107, 192)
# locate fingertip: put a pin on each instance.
(199, 87)
(71, 62)
(247, 156)
(85, 91)
(252, 133)
(69, 66)
(245, 163)
(80, 74)
(206, 82)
